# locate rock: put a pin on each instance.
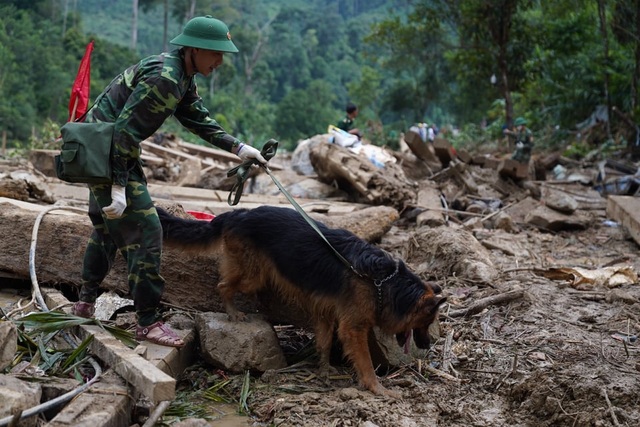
(503, 221)
(17, 396)
(8, 343)
(552, 220)
(192, 422)
(473, 223)
(444, 252)
(238, 346)
(108, 303)
(300, 159)
(560, 201)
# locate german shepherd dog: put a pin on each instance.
(276, 247)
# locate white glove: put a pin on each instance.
(519, 145)
(246, 152)
(118, 202)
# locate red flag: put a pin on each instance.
(81, 86)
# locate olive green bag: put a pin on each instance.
(86, 153)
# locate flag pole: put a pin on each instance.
(75, 109)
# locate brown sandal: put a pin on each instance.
(167, 337)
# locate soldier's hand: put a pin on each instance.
(246, 152)
(118, 202)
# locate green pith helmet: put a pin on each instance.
(520, 121)
(206, 32)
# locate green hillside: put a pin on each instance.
(473, 65)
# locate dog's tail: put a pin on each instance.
(190, 234)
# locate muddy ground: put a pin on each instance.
(557, 356)
(553, 356)
(549, 359)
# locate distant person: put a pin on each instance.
(347, 123)
(431, 133)
(523, 140)
(124, 218)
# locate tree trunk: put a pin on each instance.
(635, 80)
(165, 33)
(251, 61)
(134, 25)
(602, 14)
(64, 17)
(506, 92)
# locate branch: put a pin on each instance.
(483, 303)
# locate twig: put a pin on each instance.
(498, 211)
(446, 352)
(448, 210)
(613, 414)
(441, 374)
(514, 368)
(483, 303)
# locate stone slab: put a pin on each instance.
(625, 210)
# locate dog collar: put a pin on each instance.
(378, 284)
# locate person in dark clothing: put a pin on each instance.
(347, 123)
(523, 140)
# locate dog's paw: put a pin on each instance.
(391, 393)
(325, 371)
(379, 390)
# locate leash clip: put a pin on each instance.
(242, 171)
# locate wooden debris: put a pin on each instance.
(137, 371)
(421, 149)
(359, 177)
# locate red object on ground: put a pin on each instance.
(201, 215)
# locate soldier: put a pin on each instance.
(123, 215)
(346, 124)
(523, 140)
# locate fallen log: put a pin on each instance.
(360, 178)
(190, 280)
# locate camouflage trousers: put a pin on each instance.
(138, 237)
(522, 155)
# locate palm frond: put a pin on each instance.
(55, 321)
(213, 393)
(243, 407)
(77, 354)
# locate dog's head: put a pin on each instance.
(424, 313)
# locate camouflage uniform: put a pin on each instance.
(139, 101)
(523, 154)
(345, 124)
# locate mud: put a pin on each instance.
(555, 357)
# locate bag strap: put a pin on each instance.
(98, 99)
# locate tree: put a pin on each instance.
(303, 113)
(626, 29)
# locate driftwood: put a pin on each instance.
(359, 177)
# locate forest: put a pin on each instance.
(468, 65)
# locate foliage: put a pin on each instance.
(41, 343)
(300, 61)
